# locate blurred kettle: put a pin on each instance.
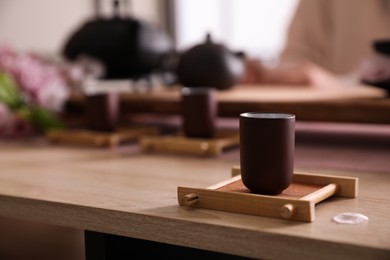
(126, 47)
(210, 64)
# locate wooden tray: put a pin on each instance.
(88, 137)
(195, 146)
(297, 202)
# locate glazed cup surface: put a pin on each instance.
(102, 111)
(267, 145)
(199, 112)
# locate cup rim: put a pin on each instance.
(267, 115)
(196, 90)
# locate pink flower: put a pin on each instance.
(41, 82)
(52, 96)
(34, 89)
(12, 124)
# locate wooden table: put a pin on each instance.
(123, 193)
(359, 104)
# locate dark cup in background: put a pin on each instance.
(267, 145)
(199, 111)
(102, 111)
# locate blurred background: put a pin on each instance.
(55, 50)
(45, 25)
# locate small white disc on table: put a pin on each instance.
(350, 218)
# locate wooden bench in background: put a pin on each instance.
(357, 104)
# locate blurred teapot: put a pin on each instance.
(126, 47)
(210, 65)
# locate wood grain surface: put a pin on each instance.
(126, 192)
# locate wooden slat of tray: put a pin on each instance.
(195, 146)
(297, 202)
(88, 137)
(246, 203)
(349, 186)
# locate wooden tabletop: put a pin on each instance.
(359, 104)
(125, 192)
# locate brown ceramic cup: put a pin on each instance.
(267, 143)
(199, 111)
(102, 111)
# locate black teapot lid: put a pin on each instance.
(208, 39)
(209, 43)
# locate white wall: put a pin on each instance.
(258, 27)
(40, 25)
(44, 25)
